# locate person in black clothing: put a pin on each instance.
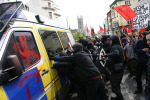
(116, 58)
(67, 69)
(140, 49)
(148, 53)
(105, 43)
(92, 51)
(86, 72)
(84, 43)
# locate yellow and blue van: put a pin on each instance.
(25, 69)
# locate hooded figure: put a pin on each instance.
(84, 42)
(105, 43)
(141, 47)
(86, 72)
(116, 60)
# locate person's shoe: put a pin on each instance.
(138, 91)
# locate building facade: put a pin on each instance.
(80, 24)
(46, 8)
(117, 19)
(109, 22)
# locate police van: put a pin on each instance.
(26, 71)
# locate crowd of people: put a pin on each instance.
(126, 52)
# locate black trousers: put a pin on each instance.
(95, 89)
(79, 88)
(139, 70)
(115, 80)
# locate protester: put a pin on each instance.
(84, 43)
(140, 49)
(117, 69)
(86, 72)
(68, 69)
(148, 53)
(129, 51)
(105, 43)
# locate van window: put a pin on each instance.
(51, 41)
(64, 39)
(10, 50)
(27, 48)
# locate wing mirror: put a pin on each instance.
(13, 70)
(3, 78)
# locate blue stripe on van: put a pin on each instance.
(15, 92)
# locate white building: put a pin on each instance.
(46, 8)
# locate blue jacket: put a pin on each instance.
(141, 56)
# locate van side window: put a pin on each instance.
(51, 41)
(10, 50)
(27, 48)
(64, 39)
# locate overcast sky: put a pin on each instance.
(93, 11)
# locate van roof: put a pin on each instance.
(31, 17)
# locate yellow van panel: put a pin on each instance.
(51, 92)
(58, 84)
(2, 94)
(39, 41)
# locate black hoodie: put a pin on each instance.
(116, 53)
(84, 66)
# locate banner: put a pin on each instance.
(87, 29)
(101, 29)
(141, 20)
(125, 11)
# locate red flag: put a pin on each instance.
(142, 30)
(101, 29)
(91, 30)
(130, 28)
(125, 11)
(87, 28)
(123, 27)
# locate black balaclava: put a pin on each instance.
(77, 47)
(83, 41)
(115, 39)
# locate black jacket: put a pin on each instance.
(148, 80)
(141, 55)
(116, 53)
(84, 66)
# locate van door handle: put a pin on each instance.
(44, 72)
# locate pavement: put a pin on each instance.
(128, 86)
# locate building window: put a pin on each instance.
(129, 21)
(113, 15)
(127, 2)
(49, 4)
(50, 15)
